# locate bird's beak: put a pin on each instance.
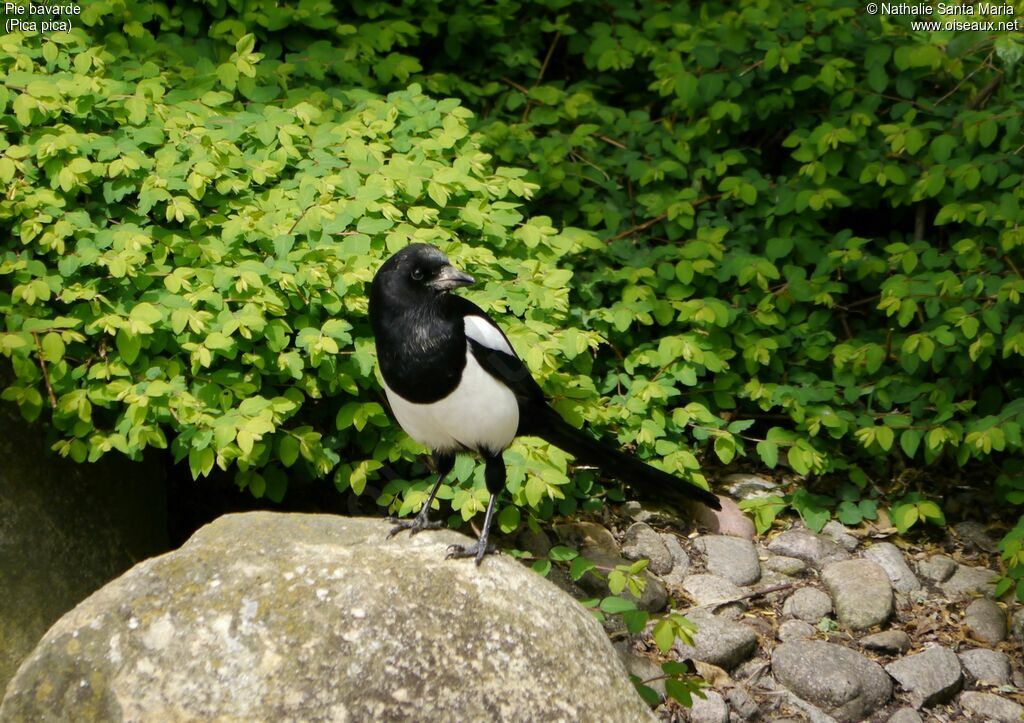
(449, 278)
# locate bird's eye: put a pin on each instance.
(417, 274)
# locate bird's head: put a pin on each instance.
(418, 273)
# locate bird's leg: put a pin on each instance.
(421, 521)
(480, 548)
(495, 476)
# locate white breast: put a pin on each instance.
(480, 415)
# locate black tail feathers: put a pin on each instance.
(649, 481)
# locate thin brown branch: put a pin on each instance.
(967, 77)
(46, 373)
(1007, 259)
(984, 93)
(508, 81)
(638, 228)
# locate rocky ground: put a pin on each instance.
(850, 624)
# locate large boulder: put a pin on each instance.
(268, 616)
(66, 529)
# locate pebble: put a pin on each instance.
(861, 592)
(680, 560)
(785, 565)
(597, 543)
(748, 486)
(791, 630)
(905, 715)
(895, 565)
(887, 641)
(929, 677)
(641, 666)
(986, 621)
(808, 604)
(642, 542)
(937, 568)
(730, 520)
(974, 534)
(710, 589)
(1017, 626)
(815, 550)
(718, 641)
(844, 683)
(988, 667)
(710, 709)
(743, 705)
(837, 532)
(969, 582)
(733, 558)
(990, 707)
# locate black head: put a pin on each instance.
(415, 275)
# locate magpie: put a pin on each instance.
(456, 385)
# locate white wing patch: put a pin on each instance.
(487, 334)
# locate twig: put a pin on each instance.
(517, 86)
(540, 75)
(638, 228)
(611, 141)
(1006, 257)
(46, 373)
(965, 79)
(985, 92)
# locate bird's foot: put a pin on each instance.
(477, 551)
(417, 524)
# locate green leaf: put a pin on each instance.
(561, 553)
(664, 635)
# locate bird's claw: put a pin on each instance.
(475, 550)
(415, 525)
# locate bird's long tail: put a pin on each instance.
(649, 481)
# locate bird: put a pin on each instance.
(456, 385)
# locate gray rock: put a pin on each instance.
(975, 536)
(743, 705)
(790, 630)
(1017, 626)
(66, 529)
(969, 582)
(842, 682)
(937, 568)
(838, 533)
(991, 707)
(680, 560)
(710, 709)
(719, 641)
(285, 616)
(642, 542)
(785, 565)
(809, 604)
(887, 641)
(748, 486)
(986, 621)
(933, 676)
(988, 667)
(815, 550)
(641, 666)
(730, 520)
(861, 592)
(733, 558)
(710, 589)
(895, 565)
(596, 543)
(905, 715)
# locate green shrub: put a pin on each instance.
(805, 230)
